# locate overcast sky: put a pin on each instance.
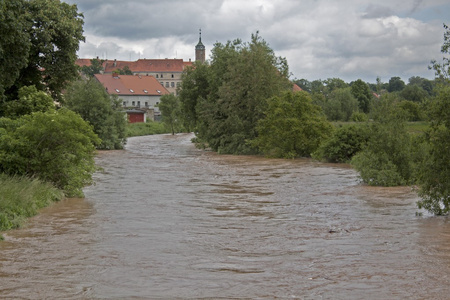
(347, 39)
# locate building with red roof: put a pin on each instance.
(135, 91)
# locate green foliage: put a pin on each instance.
(55, 146)
(359, 117)
(414, 93)
(195, 87)
(340, 105)
(102, 111)
(292, 127)
(95, 67)
(442, 70)
(169, 106)
(396, 84)
(434, 170)
(22, 197)
(30, 100)
(149, 128)
(361, 92)
(386, 159)
(47, 44)
(14, 42)
(229, 101)
(413, 110)
(343, 144)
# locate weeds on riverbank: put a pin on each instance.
(21, 198)
(149, 128)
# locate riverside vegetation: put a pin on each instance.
(240, 102)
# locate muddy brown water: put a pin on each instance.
(168, 221)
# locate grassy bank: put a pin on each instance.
(21, 198)
(149, 128)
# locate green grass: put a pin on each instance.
(21, 198)
(417, 127)
(149, 128)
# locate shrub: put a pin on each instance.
(345, 142)
(56, 146)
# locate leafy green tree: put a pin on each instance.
(442, 70)
(414, 93)
(434, 170)
(104, 112)
(361, 92)
(386, 159)
(14, 42)
(242, 77)
(292, 127)
(30, 100)
(195, 86)
(304, 84)
(41, 49)
(54, 146)
(169, 106)
(396, 84)
(95, 68)
(344, 105)
(125, 71)
(343, 144)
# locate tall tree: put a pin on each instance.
(95, 68)
(361, 92)
(50, 32)
(169, 106)
(242, 76)
(102, 111)
(396, 84)
(442, 70)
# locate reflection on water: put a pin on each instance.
(166, 220)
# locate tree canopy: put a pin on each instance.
(233, 94)
(38, 44)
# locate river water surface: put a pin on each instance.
(168, 221)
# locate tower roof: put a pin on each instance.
(200, 44)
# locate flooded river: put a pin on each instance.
(168, 221)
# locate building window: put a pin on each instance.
(124, 103)
(161, 75)
(157, 76)
(172, 84)
(139, 104)
(167, 84)
(146, 104)
(162, 83)
(172, 76)
(133, 103)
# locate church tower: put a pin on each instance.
(200, 50)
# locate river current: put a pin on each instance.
(168, 221)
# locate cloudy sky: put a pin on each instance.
(347, 39)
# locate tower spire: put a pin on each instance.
(200, 49)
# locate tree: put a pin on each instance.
(442, 70)
(434, 170)
(361, 92)
(292, 126)
(169, 106)
(414, 93)
(386, 158)
(54, 146)
(30, 100)
(396, 84)
(242, 77)
(50, 32)
(195, 86)
(104, 112)
(14, 42)
(95, 67)
(342, 104)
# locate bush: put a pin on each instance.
(386, 160)
(149, 128)
(56, 146)
(293, 127)
(359, 117)
(345, 142)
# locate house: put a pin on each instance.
(167, 71)
(135, 91)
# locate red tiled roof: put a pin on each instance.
(83, 62)
(141, 65)
(296, 88)
(132, 85)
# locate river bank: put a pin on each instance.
(21, 198)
